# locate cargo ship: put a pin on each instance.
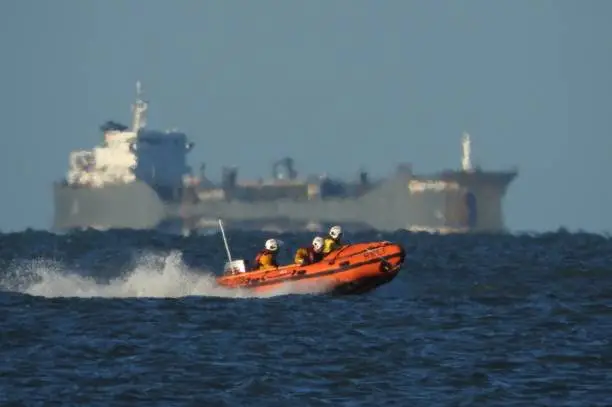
(139, 178)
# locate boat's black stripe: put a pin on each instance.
(253, 283)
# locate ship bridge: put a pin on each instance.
(158, 158)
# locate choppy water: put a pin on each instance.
(128, 319)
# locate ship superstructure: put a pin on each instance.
(139, 178)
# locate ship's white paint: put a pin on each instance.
(155, 157)
(418, 186)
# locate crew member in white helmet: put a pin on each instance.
(266, 258)
(310, 255)
(333, 240)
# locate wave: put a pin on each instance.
(153, 277)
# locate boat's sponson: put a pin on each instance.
(355, 268)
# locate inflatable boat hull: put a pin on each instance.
(353, 269)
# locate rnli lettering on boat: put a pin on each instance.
(377, 252)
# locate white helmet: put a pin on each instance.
(272, 245)
(317, 244)
(335, 232)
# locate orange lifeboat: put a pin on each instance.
(352, 269)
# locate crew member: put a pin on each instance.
(310, 255)
(266, 258)
(332, 241)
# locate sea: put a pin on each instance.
(127, 318)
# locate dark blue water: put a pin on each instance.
(126, 319)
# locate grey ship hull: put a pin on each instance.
(475, 206)
(131, 206)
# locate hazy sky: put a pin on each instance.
(386, 81)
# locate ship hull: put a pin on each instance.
(476, 206)
(123, 206)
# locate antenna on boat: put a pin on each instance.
(227, 250)
(232, 266)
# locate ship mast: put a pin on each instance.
(139, 119)
(466, 160)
